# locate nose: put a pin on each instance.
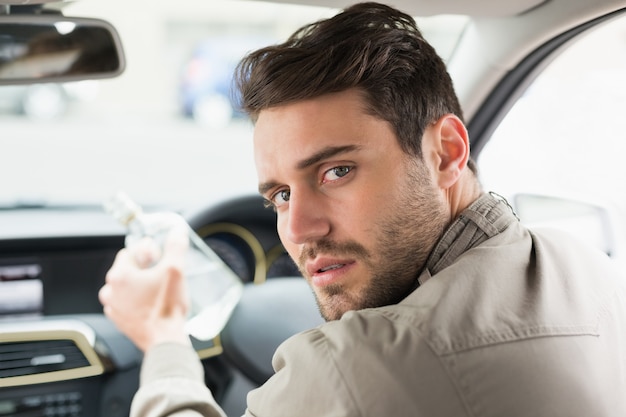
(306, 218)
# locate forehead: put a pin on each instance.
(296, 130)
(328, 111)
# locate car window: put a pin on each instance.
(565, 136)
(164, 131)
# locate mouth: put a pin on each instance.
(330, 267)
(325, 271)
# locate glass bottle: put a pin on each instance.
(214, 289)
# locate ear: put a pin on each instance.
(453, 149)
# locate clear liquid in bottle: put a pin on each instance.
(214, 289)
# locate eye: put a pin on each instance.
(279, 198)
(336, 173)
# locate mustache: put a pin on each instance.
(328, 246)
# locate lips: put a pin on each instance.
(324, 271)
(320, 265)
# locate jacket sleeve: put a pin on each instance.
(307, 382)
(172, 384)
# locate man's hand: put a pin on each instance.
(149, 303)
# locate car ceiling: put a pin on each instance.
(492, 46)
(432, 7)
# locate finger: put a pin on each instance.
(145, 252)
(121, 262)
(108, 311)
(176, 246)
(117, 319)
(104, 295)
(173, 295)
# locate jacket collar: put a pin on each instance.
(486, 217)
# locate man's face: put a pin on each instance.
(357, 214)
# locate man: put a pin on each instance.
(438, 302)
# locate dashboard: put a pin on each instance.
(59, 356)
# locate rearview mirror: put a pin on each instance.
(51, 48)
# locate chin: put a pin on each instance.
(333, 306)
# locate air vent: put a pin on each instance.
(44, 351)
(35, 357)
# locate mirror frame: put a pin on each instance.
(51, 19)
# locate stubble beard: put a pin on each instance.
(404, 238)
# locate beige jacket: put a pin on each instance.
(506, 322)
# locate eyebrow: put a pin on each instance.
(323, 154)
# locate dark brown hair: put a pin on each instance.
(369, 46)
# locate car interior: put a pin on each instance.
(541, 82)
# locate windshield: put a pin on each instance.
(164, 131)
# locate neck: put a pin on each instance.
(463, 193)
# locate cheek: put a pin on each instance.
(369, 210)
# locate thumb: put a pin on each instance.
(175, 246)
(173, 293)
